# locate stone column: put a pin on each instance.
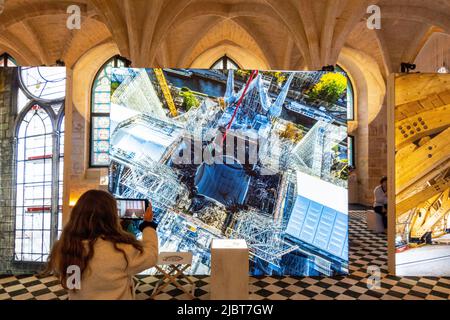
(377, 151)
(7, 101)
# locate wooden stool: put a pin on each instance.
(172, 266)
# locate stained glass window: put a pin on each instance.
(100, 109)
(34, 181)
(350, 101)
(7, 61)
(39, 143)
(225, 63)
(350, 116)
(350, 96)
(351, 151)
(44, 83)
(61, 172)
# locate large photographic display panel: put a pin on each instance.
(237, 154)
(422, 175)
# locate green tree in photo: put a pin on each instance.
(242, 73)
(330, 87)
(280, 76)
(114, 86)
(189, 99)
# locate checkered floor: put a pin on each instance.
(366, 249)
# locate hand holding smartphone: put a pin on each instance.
(148, 216)
(134, 209)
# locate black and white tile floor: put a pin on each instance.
(366, 249)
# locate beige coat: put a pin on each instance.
(107, 276)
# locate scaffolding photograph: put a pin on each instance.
(218, 153)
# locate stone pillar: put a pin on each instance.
(377, 151)
(7, 101)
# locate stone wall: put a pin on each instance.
(7, 101)
(370, 125)
(79, 176)
(8, 117)
(377, 152)
(435, 54)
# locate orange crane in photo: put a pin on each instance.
(166, 91)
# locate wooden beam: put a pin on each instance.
(434, 216)
(422, 196)
(391, 83)
(421, 125)
(420, 87)
(422, 160)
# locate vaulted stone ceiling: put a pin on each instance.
(181, 33)
(35, 32)
(407, 25)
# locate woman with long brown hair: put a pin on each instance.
(107, 257)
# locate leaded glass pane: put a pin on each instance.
(350, 96)
(7, 61)
(101, 146)
(34, 186)
(39, 184)
(351, 151)
(48, 83)
(101, 158)
(231, 64)
(218, 65)
(225, 63)
(61, 175)
(100, 142)
(101, 134)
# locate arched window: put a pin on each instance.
(7, 61)
(39, 165)
(350, 96)
(351, 151)
(350, 117)
(60, 143)
(100, 110)
(225, 63)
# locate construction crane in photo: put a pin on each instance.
(166, 91)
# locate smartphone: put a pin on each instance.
(132, 209)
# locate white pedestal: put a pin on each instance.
(374, 222)
(229, 270)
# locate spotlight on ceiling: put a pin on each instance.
(407, 67)
(443, 69)
(329, 68)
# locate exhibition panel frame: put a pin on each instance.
(419, 174)
(237, 154)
